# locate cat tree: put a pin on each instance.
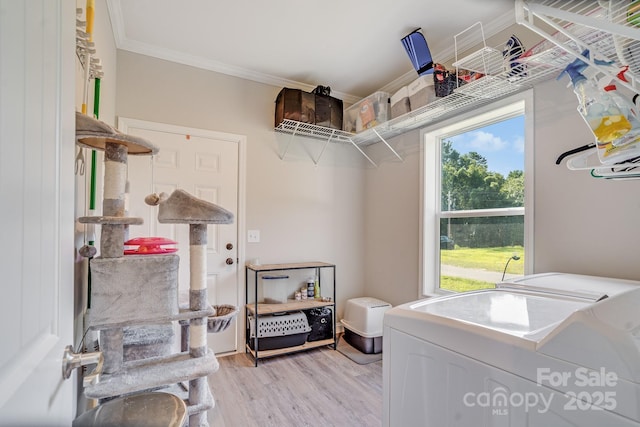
(136, 296)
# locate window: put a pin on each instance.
(476, 210)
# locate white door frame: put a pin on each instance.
(124, 123)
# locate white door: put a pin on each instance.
(205, 164)
(36, 192)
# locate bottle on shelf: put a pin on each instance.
(316, 288)
(310, 288)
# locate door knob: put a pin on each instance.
(71, 361)
(229, 246)
(229, 261)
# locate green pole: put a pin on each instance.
(92, 186)
(96, 114)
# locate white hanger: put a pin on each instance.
(609, 174)
(589, 159)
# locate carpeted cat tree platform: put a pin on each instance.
(134, 298)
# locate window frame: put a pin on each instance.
(430, 175)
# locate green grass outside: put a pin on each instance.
(491, 259)
(460, 284)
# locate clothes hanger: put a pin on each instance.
(597, 173)
(574, 151)
(586, 158)
(627, 170)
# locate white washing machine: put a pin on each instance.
(546, 350)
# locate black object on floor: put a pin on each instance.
(356, 355)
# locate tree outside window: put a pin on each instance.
(481, 215)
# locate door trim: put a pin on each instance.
(124, 123)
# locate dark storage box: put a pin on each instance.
(273, 343)
(295, 104)
(321, 322)
(364, 344)
(328, 111)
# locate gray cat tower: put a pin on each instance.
(134, 298)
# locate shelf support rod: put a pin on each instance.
(387, 144)
(363, 153)
(293, 134)
(324, 147)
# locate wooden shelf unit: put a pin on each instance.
(290, 305)
(254, 309)
(280, 351)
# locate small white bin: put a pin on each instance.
(363, 323)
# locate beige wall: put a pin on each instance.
(364, 219)
(392, 205)
(304, 212)
(581, 224)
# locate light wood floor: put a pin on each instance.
(319, 387)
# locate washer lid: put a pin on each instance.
(593, 287)
(604, 334)
(511, 311)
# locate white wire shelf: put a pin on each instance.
(478, 92)
(610, 33)
(484, 90)
(313, 131)
(295, 128)
(487, 60)
(610, 30)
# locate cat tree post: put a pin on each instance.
(115, 180)
(94, 134)
(183, 208)
(198, 300)
(112, 240)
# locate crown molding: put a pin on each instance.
(122, 42)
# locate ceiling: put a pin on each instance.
(352, 46)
